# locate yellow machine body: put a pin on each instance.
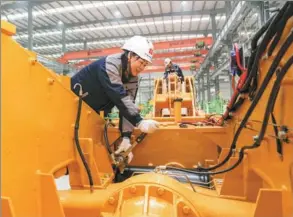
(173, 103)
(168, 90)
(37, 123)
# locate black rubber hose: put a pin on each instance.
(106, 137)
(270, 106)
(76, 138)
(254, 42)
(260, 32)
(273, 97)
(268, 77)
(269, 109)
(238, 102)
(276, 131)
(108, 146)
(267, 27)
(261, 48)
(280, 29)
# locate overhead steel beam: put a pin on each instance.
(14, 5)
(201, 32)
(160, 62)
(156, 55)
(240, 11)
(223, 68)
(63, 39)
(30, 26)
(214, 26)
(21, 4)
(83, 54)
(185, 13)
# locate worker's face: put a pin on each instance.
(137, 65)
(169, 65)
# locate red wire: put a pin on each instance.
(238, 58)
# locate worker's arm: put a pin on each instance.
(180, 73)
(111, 82)
(125, 126)
(165, 74)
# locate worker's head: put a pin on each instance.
(140, 53)
(167, 62)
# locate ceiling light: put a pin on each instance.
(60, 22)
(60, 10)
(183, 3)
(118, 26)
(117, 14)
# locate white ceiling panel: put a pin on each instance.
(198, 5)
(155, 7)
(134, 9)
(104, 20)
(144, 7)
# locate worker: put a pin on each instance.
(172, 68)
(113, 81)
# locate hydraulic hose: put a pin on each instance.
(277, 34)
(269, 109)
(273, 97)
(253, 61)
(76, 138)
(243, 79)
(254, 42)
(107, 139)
(236, 100)
(280, 29)
(278, 140)
(268, 77)
(260, 32)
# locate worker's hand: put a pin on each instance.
(148, 126)
(123, 147)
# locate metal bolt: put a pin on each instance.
(50, 81)
(32, 60)
(186, 210)
(132, 189)
(160, 191)
(282, 135)
(111, 200)
(255, 138)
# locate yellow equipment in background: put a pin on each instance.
(42, 139)
(168, 92)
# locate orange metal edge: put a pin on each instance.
(160, 45)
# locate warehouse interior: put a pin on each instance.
(53, 29)
(197, 162)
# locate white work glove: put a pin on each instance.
(123, 147)
(148, 126)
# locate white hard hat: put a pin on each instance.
(167, 61)
(141, 46)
